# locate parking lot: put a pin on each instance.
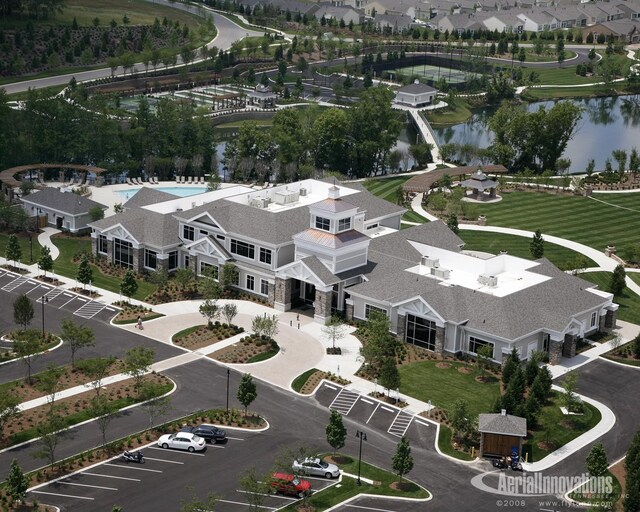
(54, 297)
(157, 484)
(373, 414)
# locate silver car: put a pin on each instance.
(315, 467)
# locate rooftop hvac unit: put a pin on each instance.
(260, 202)
(442, 273)
(430, 262)
(286, 197)
(488, 280)
(303, 191)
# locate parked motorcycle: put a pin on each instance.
(500, 464)
(128, 456)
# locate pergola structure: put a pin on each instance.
(422, 183)
(227, 101)
(479, 184)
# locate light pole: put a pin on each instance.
(43, 300)
(30, 247)
(363, 437)
(228, 374)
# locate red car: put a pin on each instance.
(290, 484)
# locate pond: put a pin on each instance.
(607, 124)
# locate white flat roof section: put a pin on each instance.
(189, 202)
(510, 274)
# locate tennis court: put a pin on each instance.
(430, 72)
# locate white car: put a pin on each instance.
(315, 467)
(182, 441)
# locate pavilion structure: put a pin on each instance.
(482, 188)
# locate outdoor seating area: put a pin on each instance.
(190, 180)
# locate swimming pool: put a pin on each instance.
(176, 191)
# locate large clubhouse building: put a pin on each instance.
(340, 248)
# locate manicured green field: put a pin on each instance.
(493, 243)
(443, 386)
(545, 93)
(611, 219)
(629, 302)
(23, 239)
(386, 188)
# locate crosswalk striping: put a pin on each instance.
(344, 401)
(12, 285)
(90, 309)
(400, 424)
(51, 294)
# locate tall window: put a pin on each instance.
(209, 270)
(242, 249)
(102, 244)
(122, 253)
(264, 287)
(265, 255)
(368, 309)
(344, 224)
(150, 259)
(188, 233)
(251, 282)
(204, 233)
(173, 260)
(421, 332)
(323, 224)
(476, 344)
(594, 318)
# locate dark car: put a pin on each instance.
(209, 433)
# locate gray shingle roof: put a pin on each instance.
(152, 228)
(66, 202)
(502, 424)
(146, 196)
(334, 205)
(322, 272)
(418, 88)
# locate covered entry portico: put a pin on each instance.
(309, 281)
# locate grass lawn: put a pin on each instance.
(386, 188)
(23, 238)
(593, 223)
(493, 243)
(443, 386)
(595, 494)
(557, 429)
(565, 75)
(546, 93)
(348, 488)
(459, 114)
(444, 443)
(65, 266)
(635, 276)
(629, 302)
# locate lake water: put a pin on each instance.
(607, 124)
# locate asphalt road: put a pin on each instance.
(227, 33)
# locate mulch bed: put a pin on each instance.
(203, 336)
(239, 353)
(388, 399)
(465, 369)
(50, 280)
(316, 378)
(443, 365)
(83, 291)
(17, 270)
(130, 313)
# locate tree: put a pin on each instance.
(45, 263)
(402, 461)
(49, 431)
(228, 276)
(103, 411)
(636, 347)
(336, 431)
(632, 479)
(541, 387)
(17, 483)
(96, 370)
(155, 405)
(531, 369)
(617, 282)
(196, 504)
(128, 285)
(85, 274)
(229, 312)
(49, 382)
(389, 377)
(76, 336)
(597, 464)
(23, 311)
(380, 344)
(210, 310)
(536, 248)
(247, 391)
(255, 488)
(96, 213)
(452, 223)
(27, 349)
(13, 251)
(137, 362)
(569, 398)
(510, 366)
(460, 421)
(483, 359)
(335, 330)
(9, 409)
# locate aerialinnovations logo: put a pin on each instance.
(537, 484)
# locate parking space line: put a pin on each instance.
(183, 452)
(235, 438)
(63, 495)
(330, 387)
(387, 409)
(422, 423)
(70, 300)
(37, 285)
(112, 476)
(245, 504)
(131, 467)
(374, 411)
(369, 508)
(268, 495)
(164, 460)
(366, 401)
(88, 485)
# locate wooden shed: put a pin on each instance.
(499, 433)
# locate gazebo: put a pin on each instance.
(479, 184)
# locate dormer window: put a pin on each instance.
(344, 224)
(323, 224)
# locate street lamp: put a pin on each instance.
(363, 437)
(43, 300)
(228, 374)
(30, 247)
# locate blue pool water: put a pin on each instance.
(176, 191)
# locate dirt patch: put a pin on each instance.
(130, 313)
(618, 471)
(316, 378)
(338, 459)
(388, 399)
(203, 336)
(465, 369)
(402, 486)
(50, 280)
(547, 447)
(74, 404)
(245, 350)
(83, 291)
(442, 365)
